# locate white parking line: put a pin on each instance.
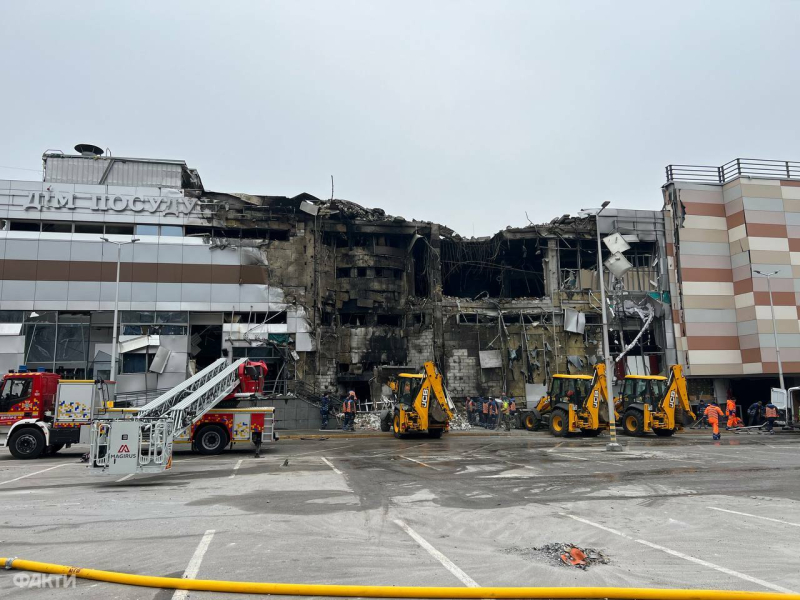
(34, 473)
(446, 562)
(419, 462)
(124, 478)
(736, 512)
(686, 557)
(236, 468)
(194, 564)
(330, 464)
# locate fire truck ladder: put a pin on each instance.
(161, 406)
(143, 444)
(193, 406)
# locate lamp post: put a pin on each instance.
(775, 334)
(119, 245)
(613, 445)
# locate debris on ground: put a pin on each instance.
(459, 422)
(368, 420)
(568, 555)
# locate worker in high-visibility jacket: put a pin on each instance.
(730, 412)
(493, 412)
(713, 413)
(349, 410)
(505, 408)
(770, 414)
(485, 412)
(470, 406)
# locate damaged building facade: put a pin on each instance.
(333, 296)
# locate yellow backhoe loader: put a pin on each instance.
(560, 387)
(584, 411)
(650, 403)
(422, 404)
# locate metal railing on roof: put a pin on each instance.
(738, 167)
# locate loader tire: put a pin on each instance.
(396, 426)
(531, 422)
(559, 422)
(435, 433)
(633, 422)
(591, 432)
(27, 443)
(211, 439)
(663, 432)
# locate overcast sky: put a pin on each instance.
(463, 113)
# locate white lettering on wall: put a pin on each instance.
(117, 203)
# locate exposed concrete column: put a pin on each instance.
(551, 279)
(435, 283)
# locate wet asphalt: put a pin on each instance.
(681, 512)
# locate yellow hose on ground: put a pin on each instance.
(387, 591)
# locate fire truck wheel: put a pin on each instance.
(211, 439)
(53, 448)
(27, 443)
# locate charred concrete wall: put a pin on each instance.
(382, 294)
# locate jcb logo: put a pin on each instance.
(596, 401)
(672, 400)
(425, 393)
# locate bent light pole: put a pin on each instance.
(613, 445)
(119, 245)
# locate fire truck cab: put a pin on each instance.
(40, 414)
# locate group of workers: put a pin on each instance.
(710, 415)
(348, 410)
(488, 412)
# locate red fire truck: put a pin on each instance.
(41, 414)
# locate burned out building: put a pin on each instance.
(332, 295)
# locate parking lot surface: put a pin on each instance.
(464, 510)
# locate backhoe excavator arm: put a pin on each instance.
(676, 392)
(433, 386)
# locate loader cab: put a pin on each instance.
(569, 388)
(643, 389)
(408, 389)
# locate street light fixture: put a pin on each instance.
(613, 445)
(775, 334)
(119, 245)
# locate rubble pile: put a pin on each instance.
(368, 420)
(459, 422)
(563, 554)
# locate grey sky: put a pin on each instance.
(464, 113)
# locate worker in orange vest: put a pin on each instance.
(470, 410)
(770, 414)
(493, 412)
(730, 412)
(485, 412)
(349, 410)
(712, 414)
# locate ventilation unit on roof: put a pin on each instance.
(88, 150)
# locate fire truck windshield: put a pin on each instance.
(14, 391)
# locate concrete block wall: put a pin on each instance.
(462, 373)
(420, 348)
